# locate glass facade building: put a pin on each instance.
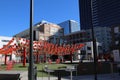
(105, 13)
(85, 14)
(69, 26)
(102, 35)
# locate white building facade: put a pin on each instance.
(87, 50)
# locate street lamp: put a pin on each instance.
(31, 63)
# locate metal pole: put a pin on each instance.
(94, 45)
(48, 75)
(71, 74)
(31, 63)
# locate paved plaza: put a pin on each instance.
(24, 76)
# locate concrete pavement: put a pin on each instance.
(24, 76)
(114, 76)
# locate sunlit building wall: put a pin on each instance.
(44, 31)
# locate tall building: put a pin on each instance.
(115, 38)
(85, 14)
(102, 35)
(105, 13)
(69, 26)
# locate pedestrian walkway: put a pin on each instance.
(24, 76)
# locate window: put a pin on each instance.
(89, 53)
(116, 42)
(83, 52)
(89, 48)
(53, 31)
(116, 29)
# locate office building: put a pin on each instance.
(76, 37)
(105, 13)
(115, 46)
(85, 14)
(115, 36)
(87, 50)
(102, 35)
(84, 38)
(44, 31)
(69, 26)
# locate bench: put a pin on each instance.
(5, 76)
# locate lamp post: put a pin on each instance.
(94, 44)
(31, 63)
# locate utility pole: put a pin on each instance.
(31, 61)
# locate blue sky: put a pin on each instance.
(14, 14)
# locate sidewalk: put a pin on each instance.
(24, 76)
(114, 76)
